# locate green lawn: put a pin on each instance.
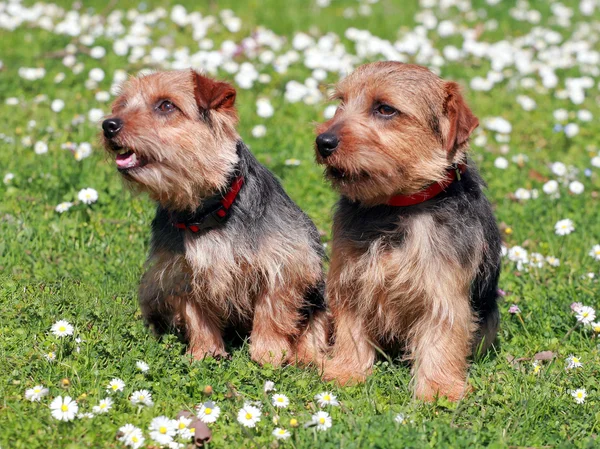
(84, 265)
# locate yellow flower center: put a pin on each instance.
(135, 439)
(162, 429)
(181, 425)
(293, 422)
(321, 420)
(115, 386)
(279, 399)
(192, 429)
(248, 416)
(327, 397)
(585, 314)
(64, 407)
(36, 390)
(207, 411)
(141, 398)
(62, 328)
(102, 405)
(281, 432)
(579, 394)
(575, 360)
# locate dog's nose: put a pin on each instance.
(327, 144)
(111, 127)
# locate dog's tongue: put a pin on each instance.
(127, 160)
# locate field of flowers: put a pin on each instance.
(78, 368)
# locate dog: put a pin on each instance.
(416, 250)
(229, 249)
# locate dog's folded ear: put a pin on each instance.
(462, 120)
(211, 94)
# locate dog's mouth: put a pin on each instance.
(128, 160)
(339, 174)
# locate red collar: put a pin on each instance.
(216, 216)
(432, 191)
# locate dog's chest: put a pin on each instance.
(390, 277)
(224, 272)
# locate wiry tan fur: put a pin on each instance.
(413, 296)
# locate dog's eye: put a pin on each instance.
(165, 107)
(385, 110)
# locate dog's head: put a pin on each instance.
(396, 130)
(173, 135)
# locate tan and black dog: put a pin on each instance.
(229, 248)
(416, 249)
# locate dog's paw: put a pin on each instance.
(273, 352)
(430, 391)
(342, 375)
(201, 353)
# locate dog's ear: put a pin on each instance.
(211, 94)
(462, 120)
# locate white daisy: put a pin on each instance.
(63, 207)
(576, 187)
(125, 431)
(183, 429)
(162, 430)
(564, 227)
(269, 386)
(322, 420)
(142, 366)
(280, 400)
(573, 362)
(209, 412)
(264, 108)
(141, 397)
(50, 356)
(134, 439)
(501, 163)
(57, 105)
(115, 385)
(40, 147)
(585, 314)
(259, 131)
(326, 398)
(8, 178)
(36, 393)
(62, 328)
(248, 416)
(103, 406)
(281, 434)
(579, 395)
(88, 196)
(64, 409)
(553, 261)
(400, 418)
(595, 252)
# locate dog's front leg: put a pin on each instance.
(353, 353)
(203, 332)
(440, 347)
(274, 325)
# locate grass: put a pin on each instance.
(84, 265)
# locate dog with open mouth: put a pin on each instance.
(229, 248)
(416, 249)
